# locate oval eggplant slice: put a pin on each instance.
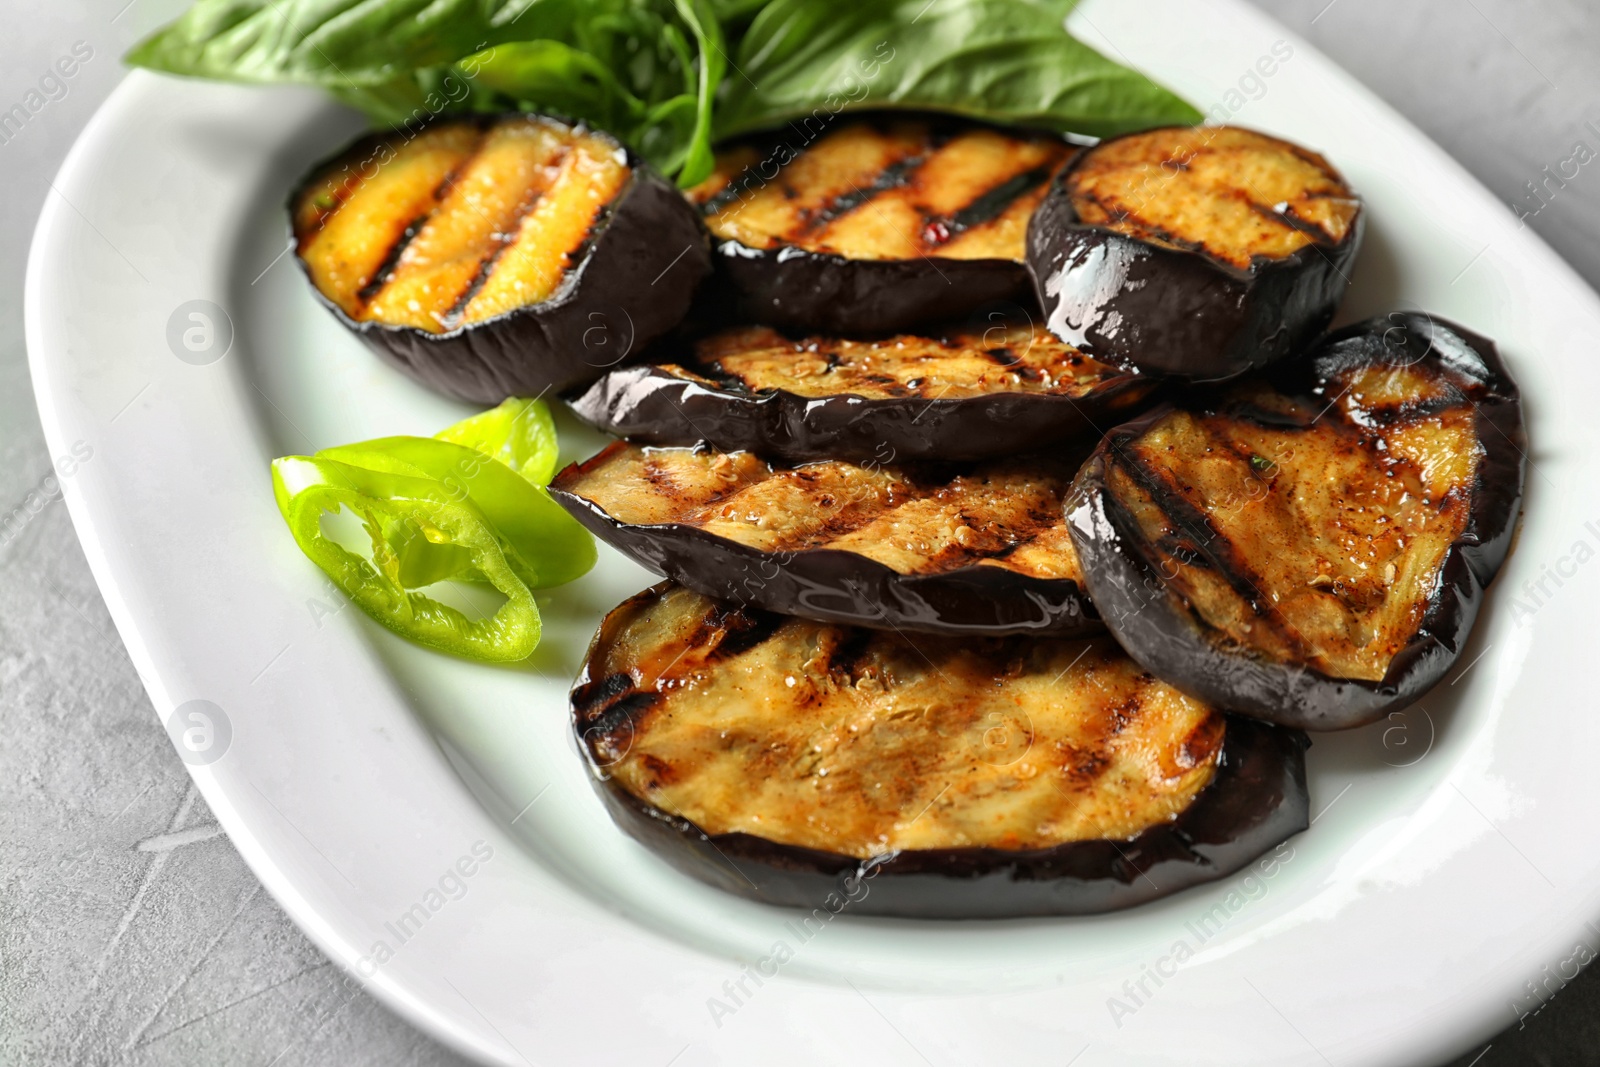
(970, 550)
(968, 395)
(1311, 549)
(810, 765)
(1194, 252)
(880, 225)
(497, 256)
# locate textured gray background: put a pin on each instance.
(130, 930)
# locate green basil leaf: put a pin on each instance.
(561, 79)
(737, 13)
(1005, 61)
(416, 96)
(646, 71)
(345, 43)
(702, 21)
(659, 99)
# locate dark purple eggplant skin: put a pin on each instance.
(652, 406)
(1257, 799)
(1173, 312)
(646, 257)
(836, 586)
(792, 288)
(1158, 630)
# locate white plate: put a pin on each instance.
(360, 770)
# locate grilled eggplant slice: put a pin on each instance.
(1311, 549)
(947, 549)
(811, 765)
(881, 225)
(1194, 252)
(496, 256)
(968, 395)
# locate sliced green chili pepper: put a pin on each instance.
(468, 505)
(519, 433)
(543, 544)
(306, 488)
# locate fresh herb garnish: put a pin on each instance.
(672, 77)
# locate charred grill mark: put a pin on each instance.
(660, 771)
(1125, 713)
(1152, 229)
(487, 265)
(752, 362)
(1410, 411)
(620, 718)
(1121, 218)
(725, 196)
(1087, 767)
(742, 630)
(814, 223)
(730, 380)
(1201, 744)
(1216, 195)
(1209, 544)
(1294, 222)
(591, 695)
(747, 180)
(989, 204)
(391, 259)
(448, 182)
(1184, 550)
(963, 532)
(843, 661)
(480, 277)
(875, 735)
(939, 134)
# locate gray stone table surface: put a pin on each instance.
(130, 930)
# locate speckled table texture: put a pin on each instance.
(130, 930)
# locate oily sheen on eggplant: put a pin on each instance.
(878, 225)
(1199, 253)
(964, 549)
(969, 394)
(811, 765)
(496, 256)
(1311, 549)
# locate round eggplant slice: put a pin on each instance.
(969, 395)
(811, 765)
(880, 225)
(1194, 252)
(497, 256)
(1311, 549)
(957, 549)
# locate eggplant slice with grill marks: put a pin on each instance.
(971, 394)
(812, 765)
(1311, 549)
(1194, 252)
(957, 549)
(496, 256)
(881, 225)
